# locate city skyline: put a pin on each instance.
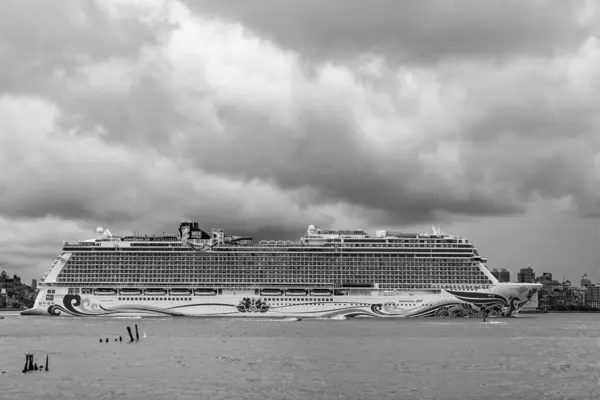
(264, 119)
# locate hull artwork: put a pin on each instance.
(505, 301)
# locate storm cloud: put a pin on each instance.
(263, 119)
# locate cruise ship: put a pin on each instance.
(326, 274)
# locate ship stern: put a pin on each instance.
(40, 306)
(34, 311)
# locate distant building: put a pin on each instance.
(578, 297)
(592, 296)
(543, 299)
(526, 275)
(34, 284)
(12, 285)
(13, 292)
(495, 273)
(546, 278)
(585, 281)
(504, 275)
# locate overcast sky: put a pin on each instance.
(263, 117)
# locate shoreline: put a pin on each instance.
(558, 312)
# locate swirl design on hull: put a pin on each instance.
(442, 308)
(465, 304)
(494, 304)
(70, 301)
(55, 310)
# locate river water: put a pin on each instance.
(552, 356)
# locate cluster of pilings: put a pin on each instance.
(137, 336)
(120, 339)
(30, 365)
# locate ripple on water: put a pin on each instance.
(542, 357)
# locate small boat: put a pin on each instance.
(205, 292)
(296, 292)
(320, 292)
(271, 292)
(105, 292)
(180, 292)
(130, 291)
(155, 292)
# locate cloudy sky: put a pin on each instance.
(264, 117)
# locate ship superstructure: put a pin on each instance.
(327, 273)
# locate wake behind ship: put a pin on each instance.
(327, 274)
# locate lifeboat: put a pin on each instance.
(105, 292)
(205, 292)
(320, 292)
(180, 292)
(155, 292)
(130, 292)
(296, 292)
(271, 292)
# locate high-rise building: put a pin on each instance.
(33, 284)
(12, 285)
(504, 275)
(592, 296)
(585, 281)
(526, 275)
(496, 273)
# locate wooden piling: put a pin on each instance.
(130, 334)
(26, 363)
(137, 335)
(46, 362)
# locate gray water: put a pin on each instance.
(552, 356)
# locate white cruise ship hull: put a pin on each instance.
(501, 300)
